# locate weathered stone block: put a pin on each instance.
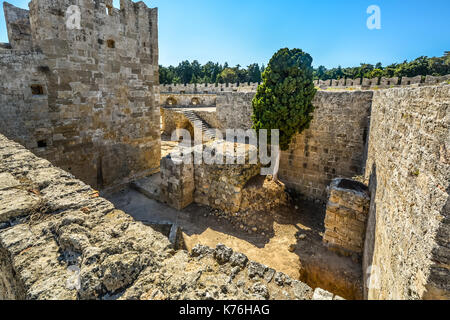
(344, 230)
(177, 182)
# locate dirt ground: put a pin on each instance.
(293, 245)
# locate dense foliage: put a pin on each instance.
(283, 100)
(187, 72)
(211, 72)
(422, 66)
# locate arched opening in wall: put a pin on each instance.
(171, 102)
(184, 140)
(195, 101)
(111, 43)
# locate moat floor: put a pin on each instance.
(293, 247)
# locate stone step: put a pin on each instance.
(148, 186)
(207, 131)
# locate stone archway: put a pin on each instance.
(195, 101)
(171, 102)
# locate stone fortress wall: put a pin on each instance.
(84, 99)
(408, 167)
(381, 83)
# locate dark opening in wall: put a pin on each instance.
(171, 102)
(42, 144)
(37, 89)
(352, 185)
(111, 44)
(109, 10)
(195, 101)
(44, 69)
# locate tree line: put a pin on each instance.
(187, 72)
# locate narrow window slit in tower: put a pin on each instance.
(111, 44)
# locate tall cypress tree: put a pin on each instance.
(284, 100)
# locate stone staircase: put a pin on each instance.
(208, 132)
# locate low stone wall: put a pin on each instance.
(230, 188)
(407, 241)
(60, 240)
(346, 217)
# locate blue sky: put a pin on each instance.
(333, 32)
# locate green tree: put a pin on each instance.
(284, 100)
(375, 73)
(254, 73)
(320, 73)
(228, 75)
(185, 71)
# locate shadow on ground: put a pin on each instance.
(292, 242)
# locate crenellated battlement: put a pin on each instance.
(208, 88)
(381, 83)
(376, 83)
(81, 25)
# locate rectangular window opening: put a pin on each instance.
(42, 144)
(37, 89)
(111, 44)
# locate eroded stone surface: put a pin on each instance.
(78, 246)
(407, 240)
